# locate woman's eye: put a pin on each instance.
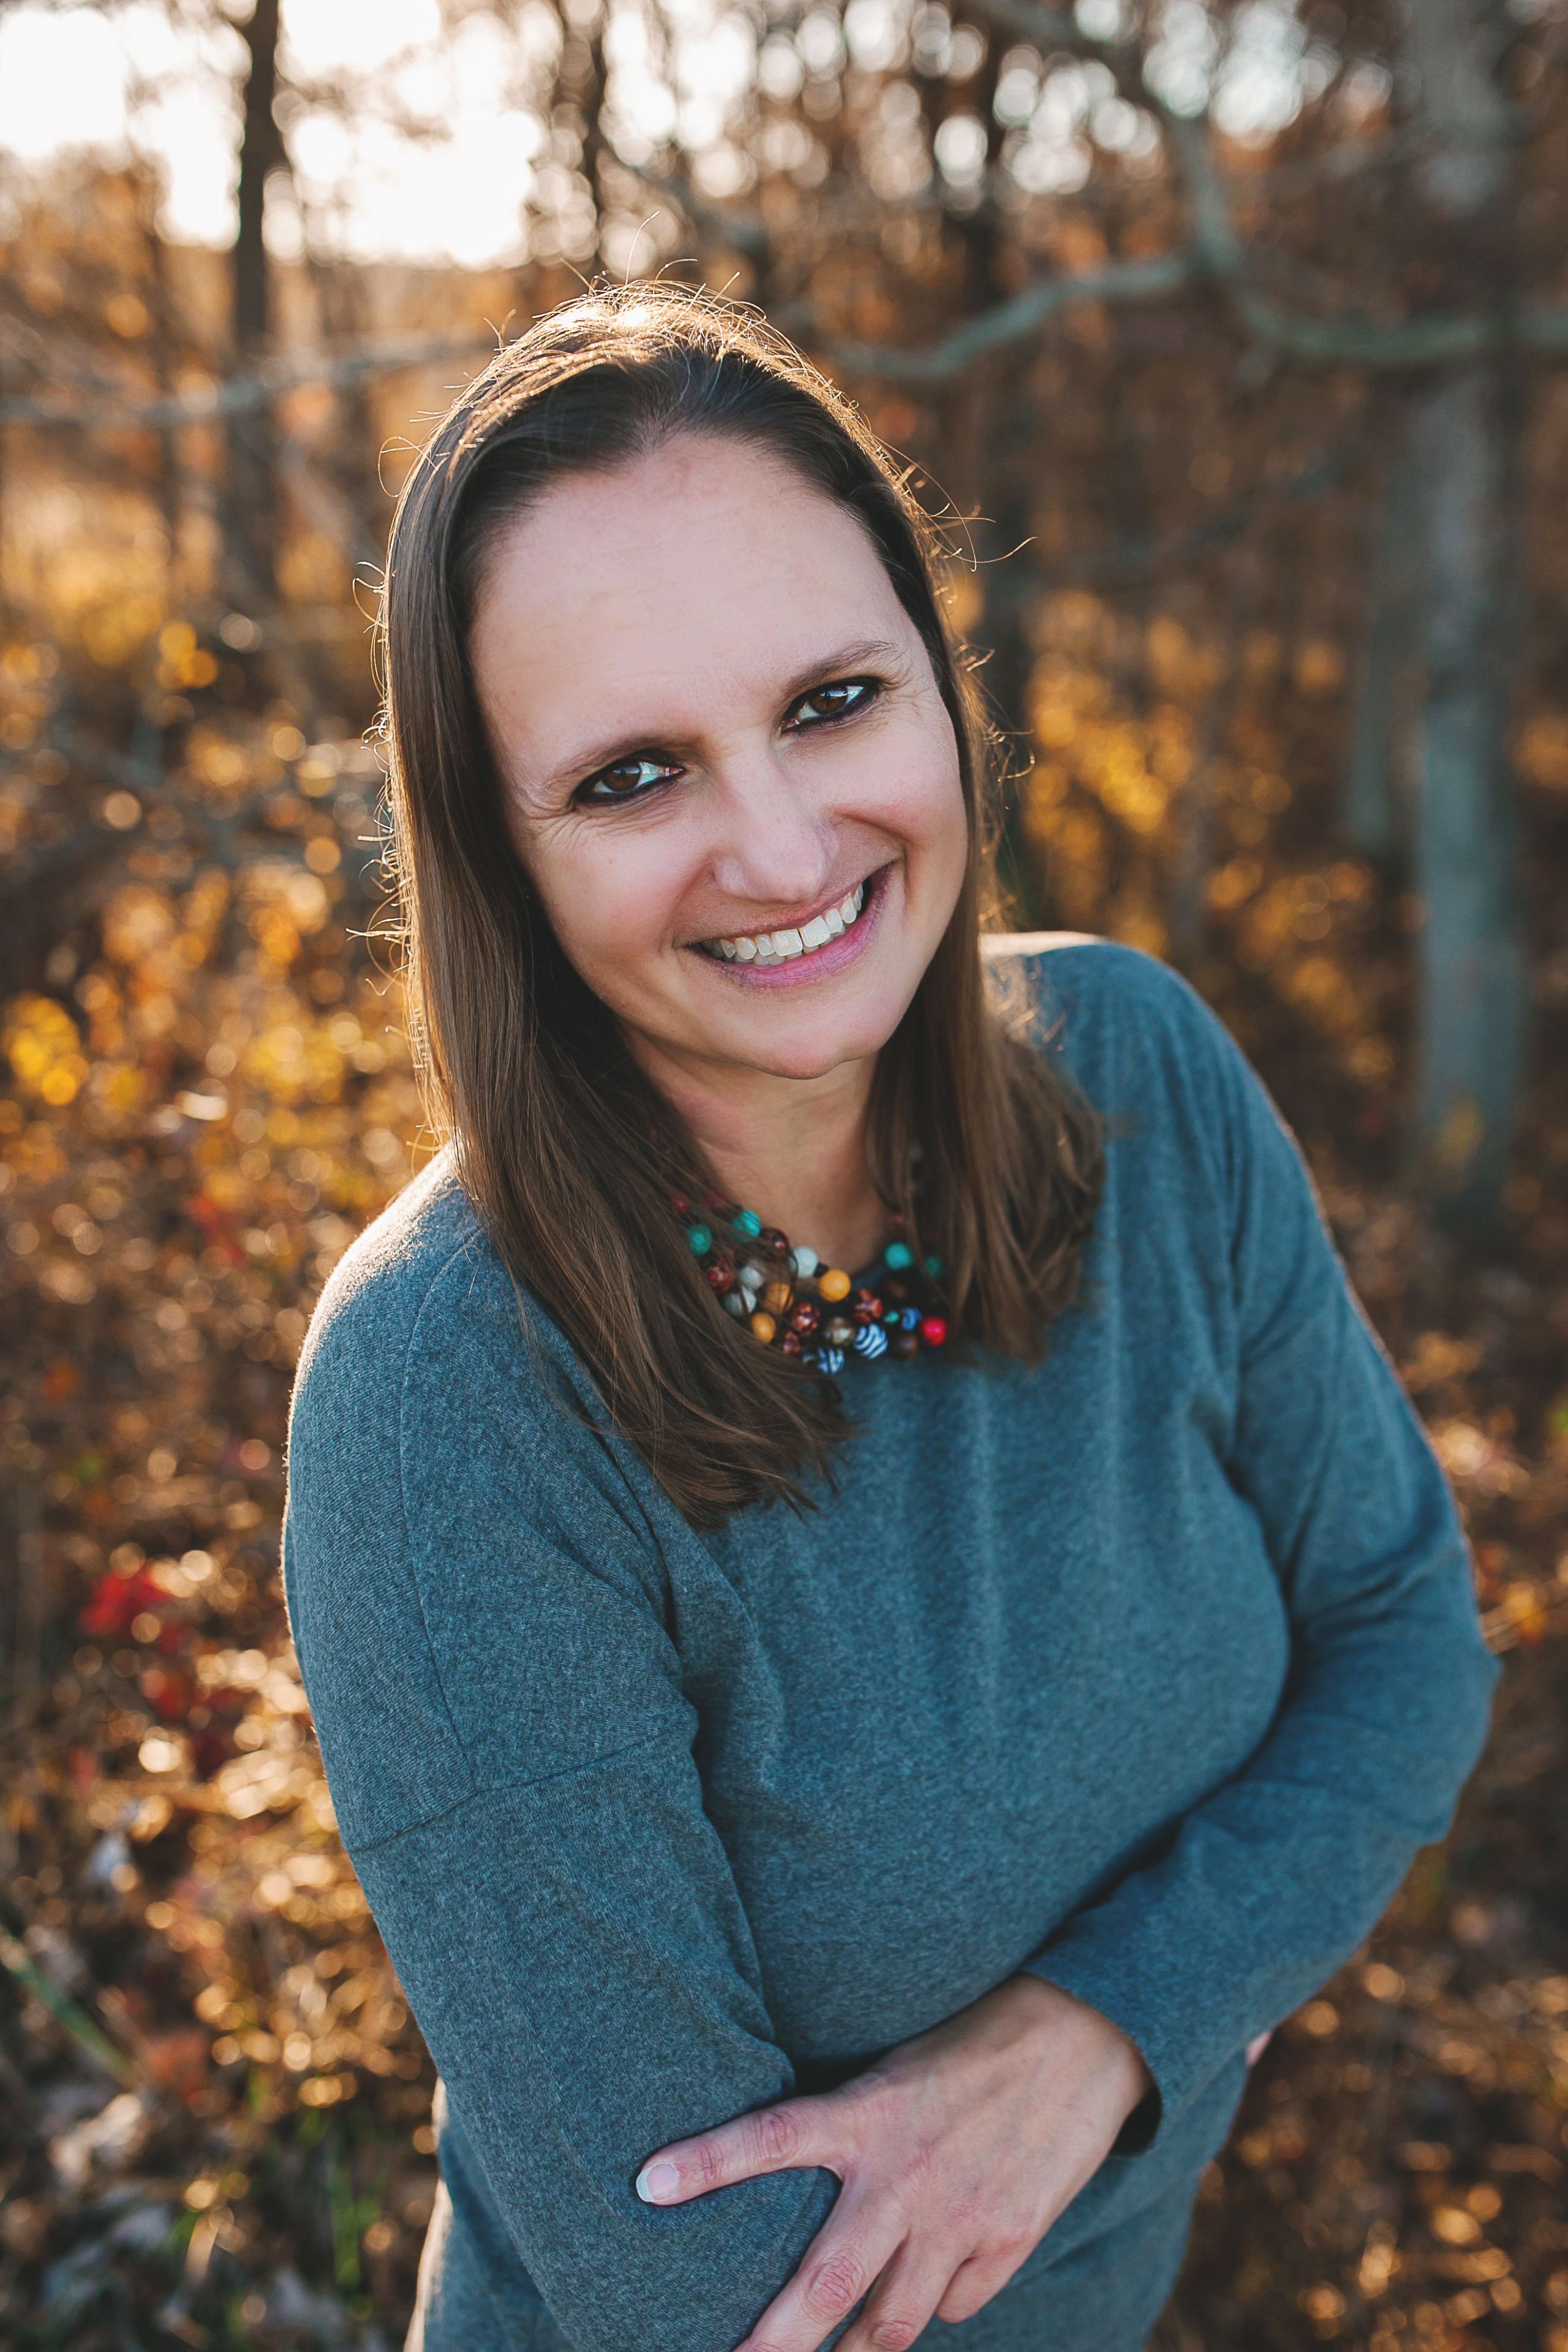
(629, 779)
(835, 701)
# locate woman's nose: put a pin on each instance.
(777, 843)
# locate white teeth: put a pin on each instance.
(782, 947)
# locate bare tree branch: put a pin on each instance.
(250, 389)
(1015, 321)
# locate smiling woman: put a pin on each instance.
(845, 1783)
(667, 669)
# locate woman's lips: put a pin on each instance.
(822, 963)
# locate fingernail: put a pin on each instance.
(658, 2183)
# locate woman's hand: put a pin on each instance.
(956, 2152)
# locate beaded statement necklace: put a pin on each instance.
(788, 1299)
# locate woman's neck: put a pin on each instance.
(792, 1149)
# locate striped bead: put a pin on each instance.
(870, 1340)
(830, 1360)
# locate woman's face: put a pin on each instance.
(727, 765)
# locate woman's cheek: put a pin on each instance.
(612, 914)
(913, 788)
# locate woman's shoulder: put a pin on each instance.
(426, 1245)
(1109, 1007)
(1147, 1053)
(423, 1343)
(421, 1327)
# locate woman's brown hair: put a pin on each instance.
(566, 1151)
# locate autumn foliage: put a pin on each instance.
(213, 2107)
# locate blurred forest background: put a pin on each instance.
(1233, 334)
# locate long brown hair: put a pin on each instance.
(564, 1148)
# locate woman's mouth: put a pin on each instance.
(768, 948)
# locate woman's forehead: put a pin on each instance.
(704, 564)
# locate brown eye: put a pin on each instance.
(627, 779)
(824, 703)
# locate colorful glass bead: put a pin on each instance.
(874, 1318)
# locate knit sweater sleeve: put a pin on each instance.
(1269, 1883)
(477, 1605)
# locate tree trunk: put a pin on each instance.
(1376, 821)
(1463, 428)
(1473, 992)
(250, 538)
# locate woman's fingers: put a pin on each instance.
(771, 2139)
(974, 2283)
(903, 2302)
(842, 2262)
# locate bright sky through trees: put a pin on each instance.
(414, 133)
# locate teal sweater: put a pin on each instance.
(1146, 1670)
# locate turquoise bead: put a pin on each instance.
(898, 1255)
(933, 1267)
(702, 1240)
(746, 1220)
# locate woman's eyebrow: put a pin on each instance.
(837, 662)
(841, 662)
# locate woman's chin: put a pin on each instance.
(805, 1034)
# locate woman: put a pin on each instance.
(874, 1611)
